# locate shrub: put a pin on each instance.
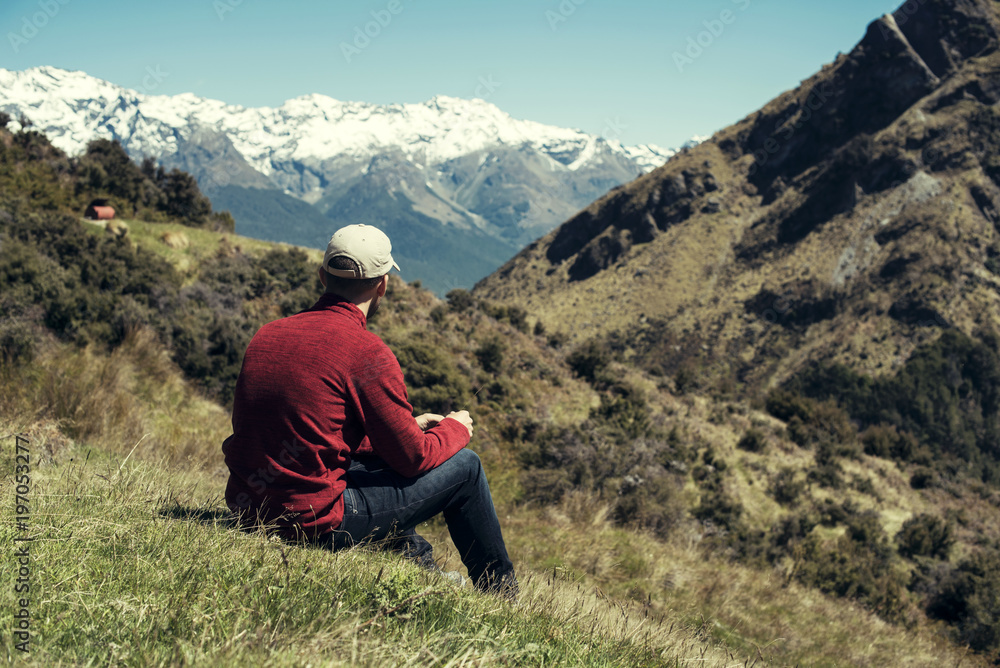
(518, 317)
(885, 440)
(922, 478)
(785, 488)
(435, 384)
(719, 507)
(17, 342)
(557, 340)
(490, 354)
(789, 532)
(753, 440)
(624, 411)
(968, 597)
(589, 360)
(460, 300)
(632, 477)
(947, 395)
(515, 315)
(825, 424)
(686, 378)
(785, 405)
(438, 314)
(857, 565)
(925, 536)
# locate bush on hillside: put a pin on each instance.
(91, 288)
(925, 536)
(460, 300)
(515, 315)
(590, 360)
(922, 478)
(624, 410)
(17, 342)
(857, 565)
(968, 598)
(786, 488)
(825, 425)
(886, 441)
(434, 383)
(947, 396)
(753, 440)
(490, 354)
(636, 476)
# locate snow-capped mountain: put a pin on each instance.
(463, 163)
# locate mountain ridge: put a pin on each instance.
(848, 220)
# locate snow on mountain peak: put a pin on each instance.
(73, 108)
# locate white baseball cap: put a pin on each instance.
(368, 247)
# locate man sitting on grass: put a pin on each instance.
(325, 446)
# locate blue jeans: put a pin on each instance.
(380, 504)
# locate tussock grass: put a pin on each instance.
(132, 397)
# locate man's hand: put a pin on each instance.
(428, 420)
(464, 418)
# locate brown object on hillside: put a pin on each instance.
(116, 228)
(99, 210)
(175, 240)
(849, 220)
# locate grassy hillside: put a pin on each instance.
(649, 525)
(134, 560)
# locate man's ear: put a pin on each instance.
(383, 286)
(322, 277)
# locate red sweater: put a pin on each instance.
(315, 389)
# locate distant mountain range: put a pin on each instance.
(458, 184)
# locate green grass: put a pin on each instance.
(129, 569)
(202, 243)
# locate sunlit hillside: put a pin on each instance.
(651, 523)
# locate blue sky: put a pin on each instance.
(625, 69)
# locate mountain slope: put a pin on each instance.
(706, 513)
(850, 219)
(468, 162)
